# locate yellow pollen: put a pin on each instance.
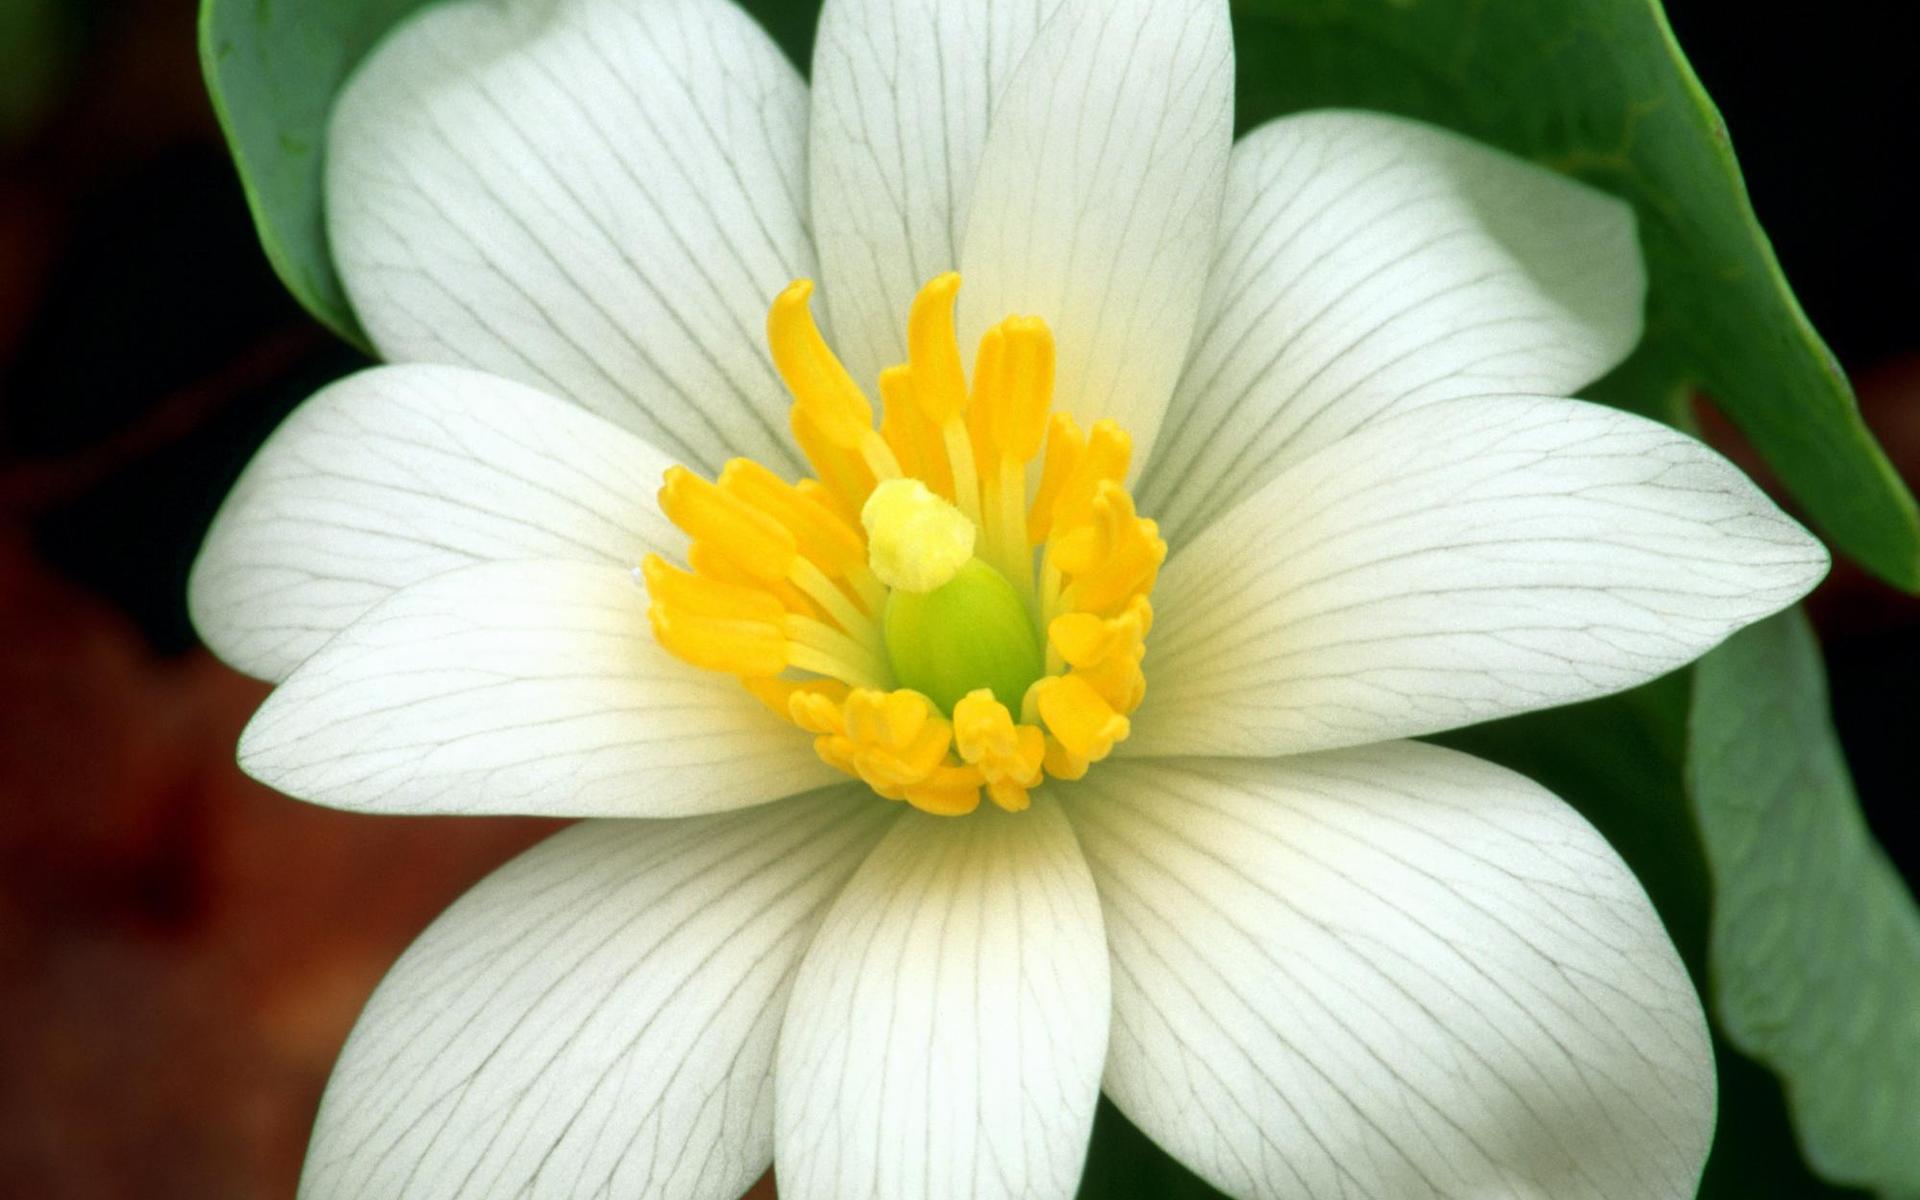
(927, 552)
(915, 540)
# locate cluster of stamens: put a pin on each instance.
(937, 623)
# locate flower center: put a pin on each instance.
(939, 626)
(952, 624)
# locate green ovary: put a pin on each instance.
(971, 632)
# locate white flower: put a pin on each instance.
(1308, 960)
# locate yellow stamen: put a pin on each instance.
(819, 533)
(818, 647)
(1008, 756)
(853, 604)
(753, 541)
(916, 441)
(1012, 388)
(949, 791)
(1065, 446)
(823, 392)
(940, 384)
(778, 694)
(1079, 716)
(719, 626)
(1106, 653)
(1112, 559)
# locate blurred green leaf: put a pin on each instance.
(1816, 941)
(34, 46)
(272, 69)
(1600, 90)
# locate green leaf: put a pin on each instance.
(273, 68)
(1600, 90)
(35, 43)
(1124, 1164)
(1816, 941)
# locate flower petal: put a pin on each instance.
(1390, 971)
(902, 92)
(525, 687)
(1464, 561)
(1098, 198)
(396, 475)
(1369, 264)
(949, 1023)
(596, 197)
(597, 1017)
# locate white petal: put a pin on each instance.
(902, 91)
(1464, 561)
(526, 687)
(597, 1017)
(396, 475)
(597, 197)
(1369, 264)
(1098, 198)
(1391, 971)
(949, 1023)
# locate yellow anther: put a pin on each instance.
(719, 626)
(933, 350)
(949, 792)
(845, 473)
(1062, 763)
(828, 406)
(916, 541)
(1008, 756)
(1080, 717)
(1084, 639)
(820, 385)
(752, 540)
(668, 585)
(898, 738)
(1119, 680)
(713, 564)
(1104, 460)
(1114, 558)
(841, 506)
(1065, 446)
(916, 441)
(818, 711)
(778, 694)
(1013, 386)
(820, 533)
(1107, 653)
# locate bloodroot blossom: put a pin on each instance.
(1035, 734)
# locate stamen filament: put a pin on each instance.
(966, 478)
(1009, 542)
(811, 580)
(879, 457)
(813, 646)
(867, 585)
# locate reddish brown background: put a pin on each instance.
(181, 951)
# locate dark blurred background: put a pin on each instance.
(181, 951)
